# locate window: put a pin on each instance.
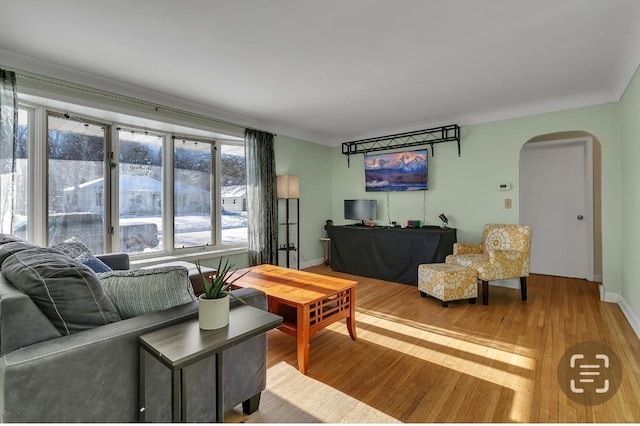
(76, 175)
(125, 183)
(195, 174)
(233, 191)
(140, 191)
(19, 225)
(193, 221)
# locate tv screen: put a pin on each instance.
(397, 171)
(360, 209)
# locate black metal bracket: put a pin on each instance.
(450, 133)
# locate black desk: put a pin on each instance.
(390, 254)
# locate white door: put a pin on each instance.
(556, 193)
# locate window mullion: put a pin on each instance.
(168, 212)
(113, 150)
(38, 182)
(215, 195)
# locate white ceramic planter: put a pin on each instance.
(213, 313)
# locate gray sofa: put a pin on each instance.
(92, 375)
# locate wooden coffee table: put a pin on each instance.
(307, 302)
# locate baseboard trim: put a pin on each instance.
(608, 296)
(630, 315)
(508, 283)
(310, 263)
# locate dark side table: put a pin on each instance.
(183, 344)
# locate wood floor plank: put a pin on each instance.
(415, 361)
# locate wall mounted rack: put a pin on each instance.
(450, 133)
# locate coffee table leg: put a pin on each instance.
(351, 321)
(303, 338)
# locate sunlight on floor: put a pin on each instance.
(501, 367)
(463, 335)
(288, 390)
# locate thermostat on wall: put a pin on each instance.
(504, 186)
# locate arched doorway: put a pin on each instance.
(560, 198)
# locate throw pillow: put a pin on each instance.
(72, 247)
(97, 265)
(8, 248)
(66, 291)
(142, 291)
(6, 238)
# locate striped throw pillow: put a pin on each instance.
(141, 291)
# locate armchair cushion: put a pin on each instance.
(468, 260)
(67, 292)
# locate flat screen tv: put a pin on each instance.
(397, 171)
(360, 209)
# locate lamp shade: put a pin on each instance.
(288, 186)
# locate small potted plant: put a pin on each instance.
(213, 310)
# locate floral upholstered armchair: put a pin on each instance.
(503, 253)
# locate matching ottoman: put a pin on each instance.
(447, 282)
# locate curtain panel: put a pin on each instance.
(261, 198)
(8, 142)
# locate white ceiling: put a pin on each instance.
(331, 71)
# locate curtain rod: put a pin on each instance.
(126, 99)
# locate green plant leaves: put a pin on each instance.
(220, 281)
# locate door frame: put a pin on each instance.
(587, 143)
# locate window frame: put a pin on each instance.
(39, 108)
(215, 221)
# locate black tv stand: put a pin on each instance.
(390, 254)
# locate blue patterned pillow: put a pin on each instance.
(141, 291)
(94, 263)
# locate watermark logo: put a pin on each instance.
(589, 373)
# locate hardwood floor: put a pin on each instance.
(417, 362)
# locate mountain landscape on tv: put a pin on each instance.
(398, 171)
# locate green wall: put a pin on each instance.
(311, 162)
(465, 187)
(630, 196)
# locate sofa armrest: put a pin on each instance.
(505, 256)
(116, 261)
(466, 248)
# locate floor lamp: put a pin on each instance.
(288, 188)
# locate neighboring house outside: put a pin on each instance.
(143, 196)
(234, 198)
